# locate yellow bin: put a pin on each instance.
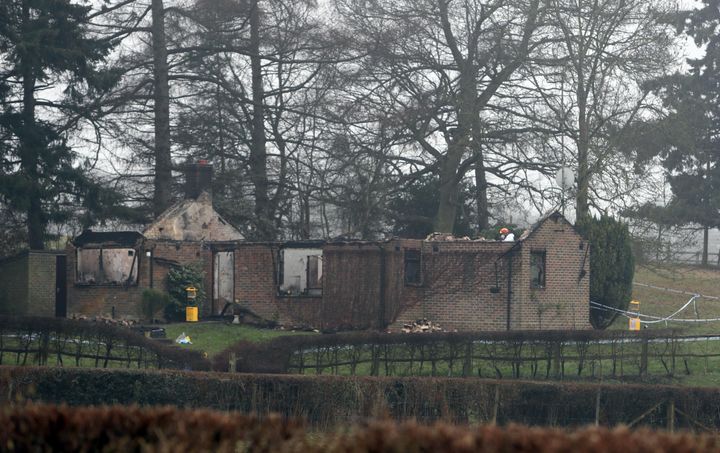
(191, 314)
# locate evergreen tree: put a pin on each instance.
(413, 209)
(687, 138)
(686, 141)
(612, 266)
(45, 47)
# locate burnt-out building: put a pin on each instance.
(540, 281)
(107, 272)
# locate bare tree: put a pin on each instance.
(593, 84)
(436, 66)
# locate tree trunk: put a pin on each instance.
(258, 154)
(463, 140)
(706, 235)
(161, 94)
(480, 189)
(30, 146)
(583, 144)
(447, 206)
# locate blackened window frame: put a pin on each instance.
(412, 257)
(542, 256)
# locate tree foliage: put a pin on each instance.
(612, 266)
(46, 46)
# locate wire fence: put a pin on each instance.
(61, 342)
(581, 355)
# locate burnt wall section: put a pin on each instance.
(257, 289)
(352, 286)
(155, 258)
(401, 298)
(464, 286)
(192, 219)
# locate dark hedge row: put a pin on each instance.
(329, 401)
(68, 342)
(121, 429)
(533, 355)
(126, 429)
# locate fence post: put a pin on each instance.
(496, 405)
(597, 408)
(232, 366)
(644, 357)
(375, 365)
(671, 416)
(556, 359)
(467, 362)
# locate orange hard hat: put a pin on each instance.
(504, 231)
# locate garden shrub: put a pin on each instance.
(152, 302)
(178, 279)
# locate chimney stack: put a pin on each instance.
(198, 178)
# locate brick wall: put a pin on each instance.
(351, 286)
(41, 284)
(14, 284)
(458, 277)
(456, 290)
(256, 288)
(124, 300)
(563, 302)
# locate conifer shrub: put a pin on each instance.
(612, 266)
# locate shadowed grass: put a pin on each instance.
(214, 336)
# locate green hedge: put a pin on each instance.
(330, 401)
(50, 428)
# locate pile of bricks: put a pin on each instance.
(106, 320)
(421, 326)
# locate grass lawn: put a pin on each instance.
(214, 336)
(663, 303)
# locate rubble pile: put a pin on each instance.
(106, 320)
(420, 326)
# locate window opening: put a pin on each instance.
(300, 272)
(111, 266)
(537, 269)
(413, 268)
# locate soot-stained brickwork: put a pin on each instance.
(540, 281)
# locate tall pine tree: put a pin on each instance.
(45, 48)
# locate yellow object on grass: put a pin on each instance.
(191, 314)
